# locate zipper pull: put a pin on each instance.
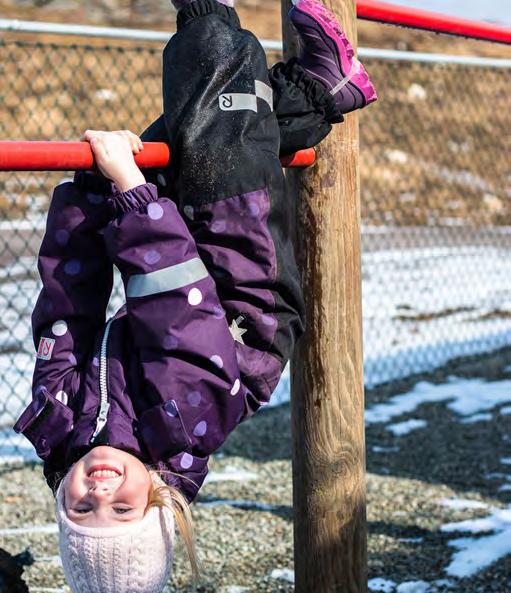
(101, 420)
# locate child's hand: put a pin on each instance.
(113, 153)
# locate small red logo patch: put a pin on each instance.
(45, 349)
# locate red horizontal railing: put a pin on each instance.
(69, 156)
(382, 12)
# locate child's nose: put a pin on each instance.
(99, 490)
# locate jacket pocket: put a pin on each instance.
(45, 422)
(163, 431)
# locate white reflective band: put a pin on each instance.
(167, 279)
(355, 67)
(264, 92)
(237, 102)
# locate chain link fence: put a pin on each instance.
(436, 200)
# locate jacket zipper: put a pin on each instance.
(103, 386)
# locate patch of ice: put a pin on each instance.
(247, 505)
(413, 587)
(497, 476)
(476, 554)
(462, 503)
(284, 574)
(49, 528)
(377, 449)
(444, 583)
(483, 417)
(465, 396)
(381, 585)
(402, 428)
(231, 474)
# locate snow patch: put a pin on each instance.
(383, 585)
(402, 428)
(49, 528)
(284, 574)
(413, 587)
(247, 505)
(483, 417)
(466, 397)
(477, 553)
(230, 474)
(462, 503)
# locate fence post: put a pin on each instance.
(327, 374)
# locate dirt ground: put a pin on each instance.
(244, 528)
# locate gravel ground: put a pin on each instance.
(242, 545)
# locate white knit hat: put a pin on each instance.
(132, 558)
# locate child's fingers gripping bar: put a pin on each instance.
(70, 156)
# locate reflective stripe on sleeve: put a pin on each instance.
(170, 278)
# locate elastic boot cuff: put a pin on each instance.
(199, 8)
(316, 92)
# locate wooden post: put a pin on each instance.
(327, 373)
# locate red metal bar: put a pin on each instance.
(382, 12)
(69, 156)
(302, 158)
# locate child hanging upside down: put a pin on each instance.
(126, 413)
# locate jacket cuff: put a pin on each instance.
(126, 201)
(46, 422)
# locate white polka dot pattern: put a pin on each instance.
(194, 398)
(61, 396)
(59, 328)
(155, 211)
(217, 360)
(186, 461)
(200, 429)
(195, 297)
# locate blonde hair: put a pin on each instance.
(161, 496)
(171, 498)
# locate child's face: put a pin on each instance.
(93, 500)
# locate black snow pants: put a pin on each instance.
(304, 108)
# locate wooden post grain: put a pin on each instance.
(327, 373)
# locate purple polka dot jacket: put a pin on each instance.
(213, 301)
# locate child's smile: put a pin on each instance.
(105, 487)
